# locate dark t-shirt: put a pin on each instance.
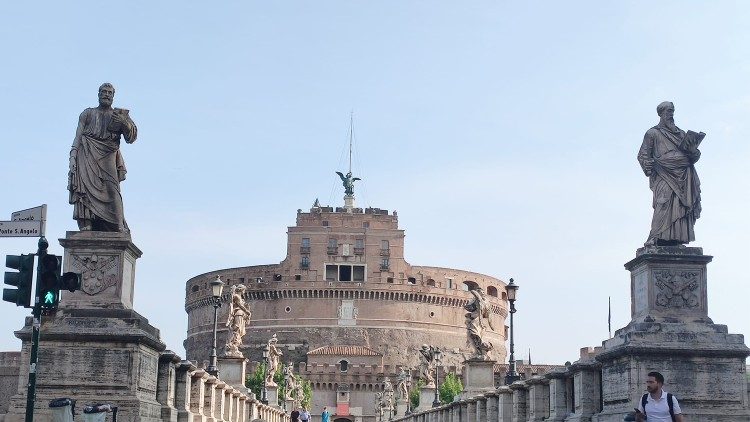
(295, 416)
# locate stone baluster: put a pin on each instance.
(182, 390)
(492, 407)
(504, 404)
(471, 410)
(456, 412)
(241, 408)
(520, 401)
(228, 403)
(538, 399)
(219, 404)
(586, 390)
(165, 385)
(198, 391)
(209, 399)
(558, 405)
(481, 411)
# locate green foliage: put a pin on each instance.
(306, 392)
(450, 387)
(254, 381)
(414, 393)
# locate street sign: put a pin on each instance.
(25, 223)
(21, 229)
(32, 214)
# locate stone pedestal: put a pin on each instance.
(272, 394)
(478, 377)
(106, 262)
(96, 349)
(232, 370)
(349, 202)
(426, 397)
(670, 332)
(401, 407)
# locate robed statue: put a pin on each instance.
(403, 381)
(348, 182)
(668, 156)
(97, 167)
(290, 381)
(478, 321)
(427, 365)
(237, 319)
(274, 357)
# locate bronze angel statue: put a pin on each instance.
(348, 182)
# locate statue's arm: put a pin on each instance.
(646, 154)
(77, 140)
(129, 130)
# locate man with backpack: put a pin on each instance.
(657, 405)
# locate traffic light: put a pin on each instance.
(21, 279)
(48, 288)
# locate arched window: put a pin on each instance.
(492, 291)
(344, 365)
(470, 285)
(431, 282)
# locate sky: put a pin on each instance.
(503, 133)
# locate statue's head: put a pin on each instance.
(106, 94)
(665, 110)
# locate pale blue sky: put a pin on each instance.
(504, 134)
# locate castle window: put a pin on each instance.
(345, 273)
(366, 225)
(195, 288)
(431, 282)
(492, 291)
(325, 223)
(384, 264)
(331, 272)
(297, 277)
(450, 283)
(412, 280)
(389, 280)
(343, 365)
(305, 242)
(305, 263)
(359, 273)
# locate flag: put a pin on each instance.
(609, 317)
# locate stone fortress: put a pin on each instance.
(347, 308)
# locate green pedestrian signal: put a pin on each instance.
(21, 295)
(48, 287)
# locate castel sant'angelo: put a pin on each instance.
(346, 306)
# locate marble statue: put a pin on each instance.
(96, 165)
(427, 365)
(348, 182)
(387, 397)
(668, 156)
(274, 356)
(237, 319)
(403, 379)
(290, 382)
(477, 322)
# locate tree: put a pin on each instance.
(415, 392)
(450, 387)
(255, 381)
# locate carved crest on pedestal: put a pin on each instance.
(677, 289)
(98, 272)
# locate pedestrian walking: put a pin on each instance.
(657, 405)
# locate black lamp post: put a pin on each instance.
(512, 375)
(264, 392)
(216, 287)
(437, 355)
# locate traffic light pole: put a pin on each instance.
(36, 324)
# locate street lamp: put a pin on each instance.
(264, 392)
(216, 288)
(512, 375)
(437, 355)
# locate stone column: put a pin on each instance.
(242, 408)
(219, 400)
(198, 394)
(272, 394)
(165, 385)
(492, 406)
(670, 332)
(505, 404)
(558, 406)
(426, 397)
(520, 391)
(232, 371)
(538, 399)
(228, 403)
(182, 390)
(464, 410)
(456, 412)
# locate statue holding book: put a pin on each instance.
(668, 156)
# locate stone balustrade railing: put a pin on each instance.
(189, 394)
(569, 394)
